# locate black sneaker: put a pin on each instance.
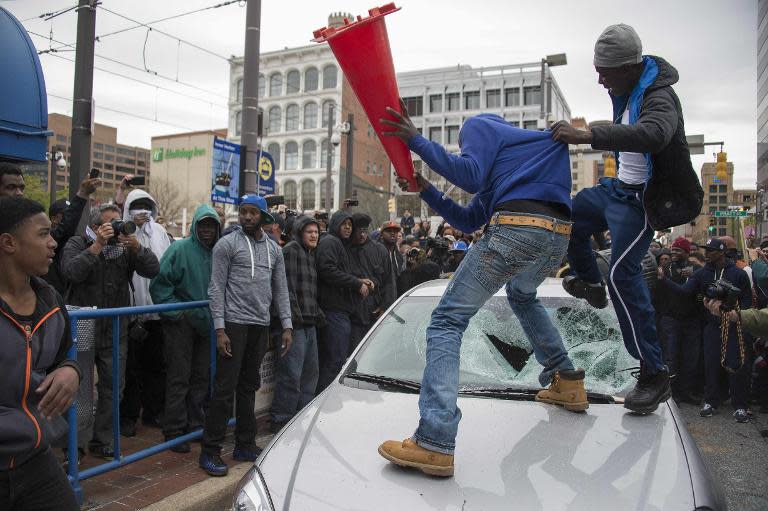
(213, 464)
(707, 410)
(104, 452)
(182, 448)
(594, 295)
(649, 391)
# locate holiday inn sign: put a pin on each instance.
(160, 154)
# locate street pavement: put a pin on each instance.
(737, 454)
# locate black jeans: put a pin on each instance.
(39, 484)
(187, 356)
(738, 382)
(681, 344)
(236, 374)
(144, 376)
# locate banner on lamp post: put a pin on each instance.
(225, 178)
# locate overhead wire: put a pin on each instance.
(122, 112)
(47, 16)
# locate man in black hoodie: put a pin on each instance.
(297, 371)
(655, 188)
(339, 291)
(370, 260)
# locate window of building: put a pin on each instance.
(452, 135)
(516, 124)
(292, 118)
(289, 194)
(274, 150)
(109, 148)
(326, 109)
(472, 100)
(238, 123)
(723, 199)
(125, 151)
(98, 146)
(712, 188)
(712, 209)
(452, 101)
(574, 176)
(532, 95)
(512, 97)
(276, 84)
(109, 166)
(109, 157)
(108, 175)
(262, 85)
(574, 188)
(239, 90)
(414, 105)
(574, 165)
(291, 156)
(493, 98)
(436, 103)
(310, 79)
(141, 163)
(309, 154)
(322, 193)
(293, 82)
(722, 232)
(436, 134)
(97, 164)
(310, 116)
(97, 155)
(61, 138)
(722, 221)
(308, 194)
(329, 77)
(530, 125)
(723, 188)
(324, 155)
(275, 119)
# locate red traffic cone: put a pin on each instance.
(362, 50)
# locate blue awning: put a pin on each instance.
(23, 102)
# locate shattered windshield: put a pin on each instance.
(495, 351)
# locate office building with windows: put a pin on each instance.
(762, 117)
(718, 195)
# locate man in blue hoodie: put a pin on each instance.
(522, 181)
(656, 188)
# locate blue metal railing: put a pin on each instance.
(75, 476)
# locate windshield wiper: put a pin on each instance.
(387, 382)
(525, 394)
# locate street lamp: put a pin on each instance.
(558, 59)
(57, 159)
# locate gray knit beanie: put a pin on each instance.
(617, 46)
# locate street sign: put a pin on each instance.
(731, 213)
(225, 183)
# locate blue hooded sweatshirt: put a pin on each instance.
(498, 163)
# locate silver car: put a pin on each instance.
(512, 452)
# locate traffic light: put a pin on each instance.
(391, 207)
(721, 167)
(610, 166)
(712, 227)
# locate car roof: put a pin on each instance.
(550, 288)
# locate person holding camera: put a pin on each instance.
(720, 279)
(99, 267)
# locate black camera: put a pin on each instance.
(725, 292)
(274, 200)
(321, 215)
(291, 212)
(119, 227)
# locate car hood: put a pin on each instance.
(509, 453)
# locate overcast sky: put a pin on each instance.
(712, 43)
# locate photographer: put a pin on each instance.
(706, 282)
(437, 251)
(99, 267)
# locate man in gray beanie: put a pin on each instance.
(656, 188)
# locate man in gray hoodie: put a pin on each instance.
(248, 276)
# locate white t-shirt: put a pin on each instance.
(633, 169)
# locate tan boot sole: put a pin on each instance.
(571, 407)
(427, 469)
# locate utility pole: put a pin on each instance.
(82, 105)
(250, 128)
(350, 167)
(329, 162)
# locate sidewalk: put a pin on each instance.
(157, 477)
(736, 454)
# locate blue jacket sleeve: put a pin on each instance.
(468, 218)
(479, 147)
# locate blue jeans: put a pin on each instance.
(521, 258)
(296, 377)
(334, 346)
(607, 206)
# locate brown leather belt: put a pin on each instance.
(532, 221)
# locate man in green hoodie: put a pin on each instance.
(185, 273)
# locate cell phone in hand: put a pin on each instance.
(94, 173)
(137, 181)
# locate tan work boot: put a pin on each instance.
(567, 390)
(410, 454)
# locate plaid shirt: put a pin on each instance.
(301, 273)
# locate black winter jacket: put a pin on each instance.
(371, 261)
(666, 302)
(104, 283)
(339, 287)
(61, 233)
(673, 195)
